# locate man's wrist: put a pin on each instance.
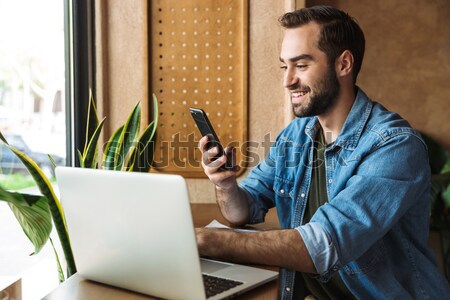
(227, 190)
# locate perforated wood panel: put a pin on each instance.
(199, 59)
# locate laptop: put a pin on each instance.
(135, 231)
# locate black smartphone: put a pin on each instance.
(206, 129)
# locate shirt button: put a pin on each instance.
(335, 268)
(288, 289)
(303, 195)
(282, 191)
(330, 181)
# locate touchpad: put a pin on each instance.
(210, 266)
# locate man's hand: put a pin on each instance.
(231, 200)
(214, 166)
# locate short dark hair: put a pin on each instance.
(339, 32)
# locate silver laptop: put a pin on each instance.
(135, 231)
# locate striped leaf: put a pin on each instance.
(33, 214)
(92, 121)
(56, 210)
(142, 156)
(90, 154)
(109, 154)
(128, 137)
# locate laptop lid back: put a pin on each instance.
(132, 230)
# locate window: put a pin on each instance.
(32, 87)
(45, 76)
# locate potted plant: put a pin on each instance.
(125, 150)
(440, 198)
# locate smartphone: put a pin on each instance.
(205, 127)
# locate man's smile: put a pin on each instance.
(298, 96)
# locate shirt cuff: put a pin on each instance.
(320, 247)
(256, 214)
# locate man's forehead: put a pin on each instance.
(300, 42)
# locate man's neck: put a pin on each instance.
(333, 120)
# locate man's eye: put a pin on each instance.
(284, 68)
(301, 66)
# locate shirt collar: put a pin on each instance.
(353, 125)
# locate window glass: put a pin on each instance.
(32, 118)
(32, 86)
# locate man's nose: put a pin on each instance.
(290, 78)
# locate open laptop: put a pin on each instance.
(135, 231)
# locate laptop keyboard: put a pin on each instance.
(216, 285)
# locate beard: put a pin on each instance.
(323, 96)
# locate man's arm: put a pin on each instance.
(230, 198)
(233, 205)
(282, 248)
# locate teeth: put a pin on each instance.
(299, 94)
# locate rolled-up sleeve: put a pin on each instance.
(320, 247)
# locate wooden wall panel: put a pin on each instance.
(199, 59)
(407, 61)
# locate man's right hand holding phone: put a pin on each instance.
(214, 167)
(230, 197)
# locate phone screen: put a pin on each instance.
(206, 129)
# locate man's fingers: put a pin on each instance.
(202, 144)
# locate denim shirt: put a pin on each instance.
(374, 229)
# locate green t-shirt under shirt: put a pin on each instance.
(318, 196)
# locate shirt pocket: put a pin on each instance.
(284, 200)
(368, 261)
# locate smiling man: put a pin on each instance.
(349, 179)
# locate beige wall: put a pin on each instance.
(122, 69)
(122, 77)
(406, 66)
(407, 61)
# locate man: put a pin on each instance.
(349, 179)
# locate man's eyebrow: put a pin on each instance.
(299, 57)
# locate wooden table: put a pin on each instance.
(11, 285)
(77, 288)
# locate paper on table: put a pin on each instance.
(216, 224)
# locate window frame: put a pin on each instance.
(80, 72)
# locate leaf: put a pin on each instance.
(109, 154)
(90, 156)
(56, 210)
(3, 138)
(446, 167)
(142, 158)
(58, 263)
(128, 137)
(33, 214)
(92, 121)
(446, 196)
(80, 158)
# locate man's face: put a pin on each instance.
(310, 80)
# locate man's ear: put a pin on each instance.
(344, 64)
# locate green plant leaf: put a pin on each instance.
(446, 167)
(3, 138)
(446, 196)
(33, 214)
(56, 210)
(90, 156)
(80, 158)
(92, 121)
(141, 158)
(128, 137)
(109, 154)
(58, 263)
